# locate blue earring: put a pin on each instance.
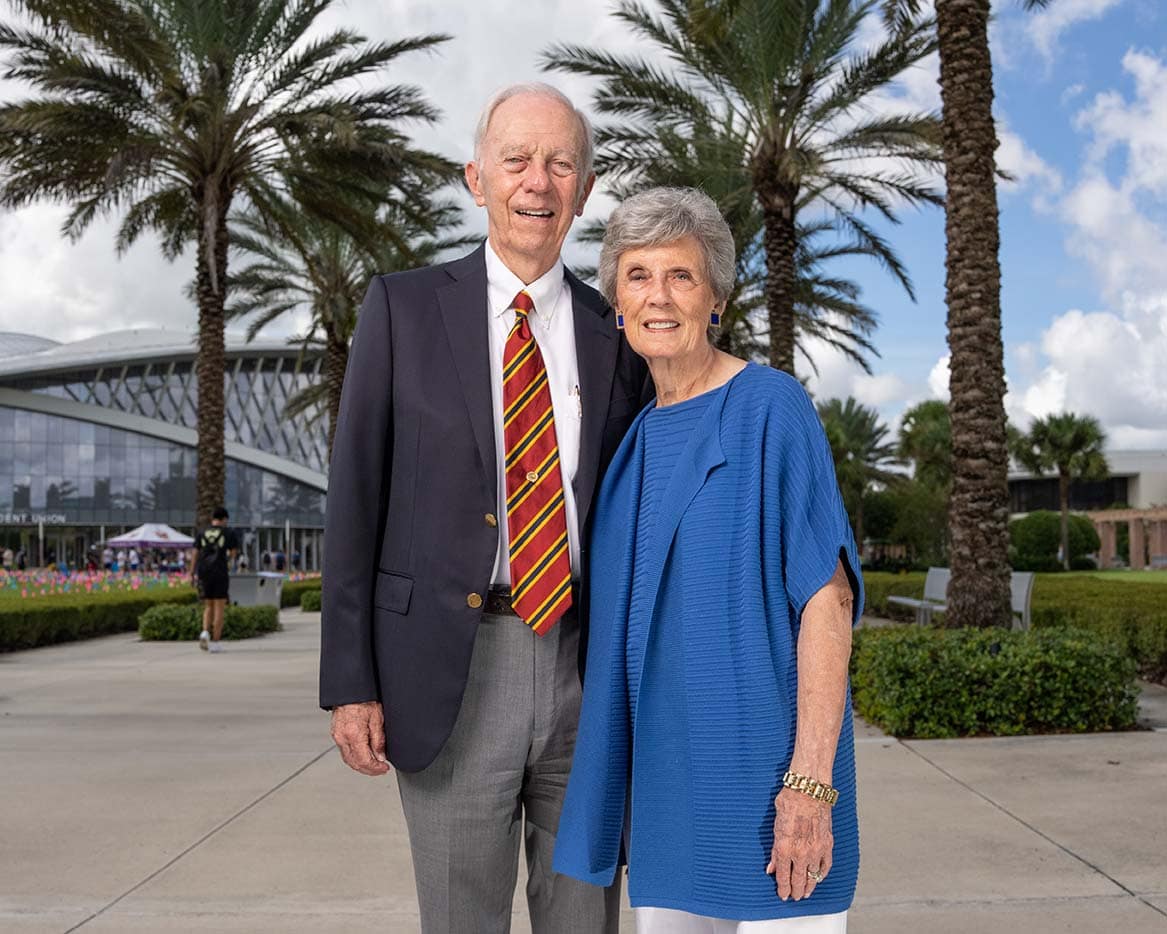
(619, 322)
(715, 319)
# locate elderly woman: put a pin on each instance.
(715, 740)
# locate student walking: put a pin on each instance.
(214, 548)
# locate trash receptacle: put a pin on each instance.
(261, 588)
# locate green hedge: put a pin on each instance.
(1130, 615)
(37, 621)
(879, 585)
(310, 601)
(184, 623)
(932, 683)
(293, 590)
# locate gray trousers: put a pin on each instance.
(504, 769)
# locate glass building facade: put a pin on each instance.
(1029, 494)
(257, 390)
(87, 467)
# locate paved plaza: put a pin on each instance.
(150, 787)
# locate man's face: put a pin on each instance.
(528, 180)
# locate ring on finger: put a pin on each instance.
(814, 876)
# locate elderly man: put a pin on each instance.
(483, 400)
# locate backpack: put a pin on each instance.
(212, 550)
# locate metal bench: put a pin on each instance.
(935, 599)
(1020, 593)
(935, 596)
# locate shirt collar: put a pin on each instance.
(504, 285)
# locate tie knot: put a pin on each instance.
(523, 304)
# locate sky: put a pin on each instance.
(1081, 107)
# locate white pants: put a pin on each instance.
(670, 921)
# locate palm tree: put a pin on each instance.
(772, 97)
(861, 451)
(978, 516)
(1070, 444)
(172, 112)
(298, 262)
(925, 439)
(826, 307)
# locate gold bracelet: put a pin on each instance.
(811, 786)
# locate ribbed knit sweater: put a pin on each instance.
(718, 519)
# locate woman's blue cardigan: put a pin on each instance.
(750, 527)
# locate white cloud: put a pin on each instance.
(1029, 170)
(1107, 365)
(839, 377)
(1047, 26)
(1071, 93)
(938, 378)
(1109, 362)
(1134, 126)
(53, 288)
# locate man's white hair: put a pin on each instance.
(587, 154)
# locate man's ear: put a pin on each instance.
(474, 183)
(583, 198)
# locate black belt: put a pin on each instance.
(498, 602)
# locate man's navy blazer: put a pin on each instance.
(411, 526)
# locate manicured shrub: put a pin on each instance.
(310, 601)
(933, 683)
(184, 623)
(1035, 539)
(25, 624)
(293, 590)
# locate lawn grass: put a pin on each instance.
(1126, 576)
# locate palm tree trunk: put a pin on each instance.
(335, 363)
(210, 477)
(1064, 502)
(978, 593)
(780, 239)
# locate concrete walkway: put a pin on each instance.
(150, 787)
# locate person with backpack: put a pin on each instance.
(214, 547)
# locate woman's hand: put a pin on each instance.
(803, 843)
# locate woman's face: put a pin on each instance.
(666, 298)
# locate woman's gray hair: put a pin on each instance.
(664, 215)
(587, 154)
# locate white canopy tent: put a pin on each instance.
(152, 535)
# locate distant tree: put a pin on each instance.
(788, 88)
(861, 452)
(921, 521)
(1036, 538)
(925, 439)
(171, 112)
(1072, 445)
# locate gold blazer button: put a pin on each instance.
(474, 601)
(491, 520)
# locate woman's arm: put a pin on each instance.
(802, 825)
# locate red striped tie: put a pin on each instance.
(536, 517)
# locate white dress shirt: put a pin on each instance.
(553, 327)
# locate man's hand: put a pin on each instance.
(359, 731)
(802, 844)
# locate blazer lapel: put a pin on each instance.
(595, 351)
(464, 313)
